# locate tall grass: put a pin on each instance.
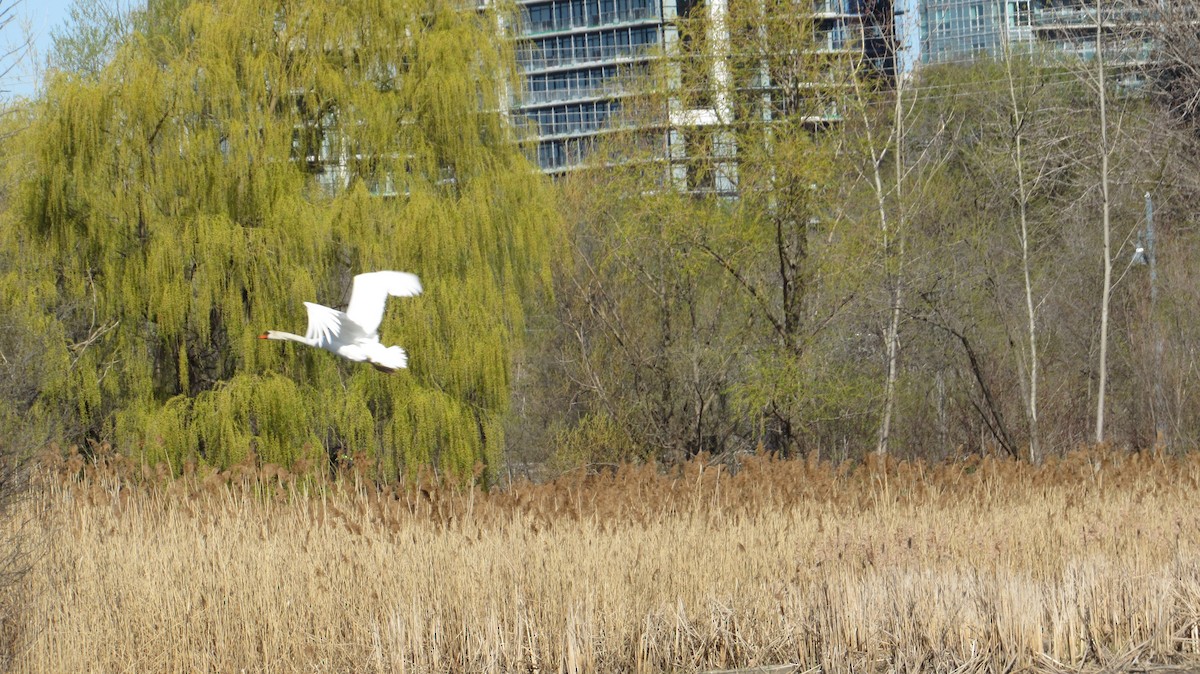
(985, 566)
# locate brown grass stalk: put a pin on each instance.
(1080, 564)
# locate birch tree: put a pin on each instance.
(1029, 360)
(898, 175)
(1106, 227)
(890, 208)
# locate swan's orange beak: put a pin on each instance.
(263, 336)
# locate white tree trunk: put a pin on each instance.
(1107, 290)
(1031, 401)
(894, 275)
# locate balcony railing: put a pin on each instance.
(572, 125)
(1127, 54)
(532, 58)
(565, 124)
(611, 87)
(835, 7)
(1085, 17)
(589, 20)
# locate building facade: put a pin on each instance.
(579, 59)
(951, 31)
(1071, 29)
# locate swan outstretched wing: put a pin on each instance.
(370, 293)
(324, 324)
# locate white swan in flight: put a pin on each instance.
(354, 334)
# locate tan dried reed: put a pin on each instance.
(987, 565)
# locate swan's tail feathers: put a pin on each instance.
(390, 359)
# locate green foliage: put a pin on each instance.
(235, 159)
(695, 321)
(94, 30)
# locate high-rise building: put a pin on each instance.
(579, 58)
(1070, 28)
(963, 30)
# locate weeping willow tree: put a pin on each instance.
(236, 158)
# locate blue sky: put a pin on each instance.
(39, 17)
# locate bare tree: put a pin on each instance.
(1175, 66)
(11, 55)
(20, 349)
(884, 141)
(898, 181)
(892, 241)
(1030, 361)
(1106, 292)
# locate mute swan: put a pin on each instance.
(354, 334)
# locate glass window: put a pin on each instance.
(1023, 12)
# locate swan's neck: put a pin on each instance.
(276, 334)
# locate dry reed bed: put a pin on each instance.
(988, 566)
